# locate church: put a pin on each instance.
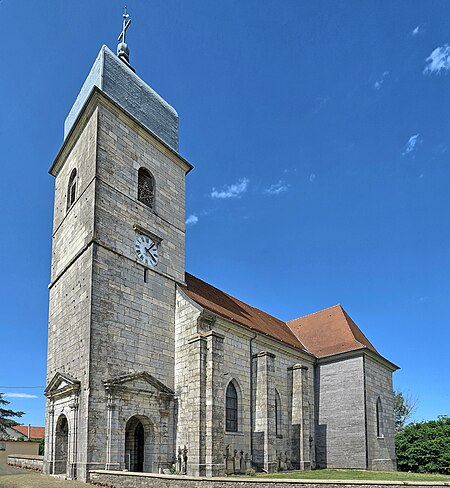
(150, 368)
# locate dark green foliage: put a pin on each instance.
(424, 447)
(5, 413)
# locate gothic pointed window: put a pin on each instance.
(379, 414)
(72, 188)
(231, 416)
(277, 414)
(146, 188)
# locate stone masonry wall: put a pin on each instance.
(381, 449)
(133, 308)
(340, 416)
(71, 280)
(34, 463)
(122, 151)
(73, 228)
(185, 328)
(192, 353)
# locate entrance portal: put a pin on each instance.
(61, 445)
(138, 444)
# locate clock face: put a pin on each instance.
(146, 250)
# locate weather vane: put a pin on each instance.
(122, 49)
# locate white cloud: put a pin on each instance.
(192, 219)
(277, 188)
(418, 30)
(438, 60)
(380, 81)
(231, 191)
(312, 177)
(19, 395)
(411, 144)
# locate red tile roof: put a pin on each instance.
(329, 331)
(229, 307)
(35, 432)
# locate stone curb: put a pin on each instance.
(292, 482)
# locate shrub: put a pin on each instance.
(424, 447)
(250, 472)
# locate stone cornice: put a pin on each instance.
(358, 353)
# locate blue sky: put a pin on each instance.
(320, 135)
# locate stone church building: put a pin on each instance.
(149, 366)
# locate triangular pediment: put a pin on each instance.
(140, 380)
(61, 383)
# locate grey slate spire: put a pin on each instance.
(117, 80)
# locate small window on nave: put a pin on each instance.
(379, 414)
(277, 414)
(146, 188)
(72, 188)
(231, 416)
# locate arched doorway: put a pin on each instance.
(61, 445)
(139, 444)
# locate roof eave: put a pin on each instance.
(339, 356)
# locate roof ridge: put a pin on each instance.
(314, 313)
(351, 324)
(238, 299)
(346, 317)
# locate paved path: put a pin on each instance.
(21, 478)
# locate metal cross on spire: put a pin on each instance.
(122, 49)
(126, 24)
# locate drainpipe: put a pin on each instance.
(251, 397)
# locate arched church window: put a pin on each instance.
(231, 416)
(379, 413)
(72, 188)
(277, 413)
(146, 187)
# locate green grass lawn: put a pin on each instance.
(355, 474)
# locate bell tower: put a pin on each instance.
(117, 255)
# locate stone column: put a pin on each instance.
(73, 438)
(264, 451)
(214, 405)
(49, 454)
(165, 444)
(112, 437)
(301, 425)
(196, 402)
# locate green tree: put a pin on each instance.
(424, 447)
(404, 407)
(6, 415)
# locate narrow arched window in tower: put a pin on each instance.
(231, 415)
(379, 413)
(72, 188)
(146, 188)
(277, 413)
